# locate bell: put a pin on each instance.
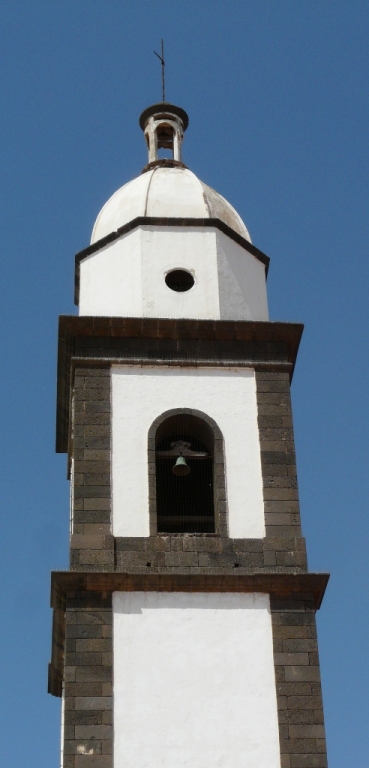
(181, 468)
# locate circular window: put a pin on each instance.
(179, 280)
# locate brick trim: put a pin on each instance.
(220, 502)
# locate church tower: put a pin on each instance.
(184, 632)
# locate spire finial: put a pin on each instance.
(162, 68)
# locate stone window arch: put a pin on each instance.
(195, 503)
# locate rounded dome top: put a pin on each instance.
(165, 192)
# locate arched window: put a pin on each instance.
(187, 488)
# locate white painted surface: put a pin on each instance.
(110, 280)
(194, 682)
(241, 280)
(178, 248)
(165, 192)
(140, 395)
(127, 277)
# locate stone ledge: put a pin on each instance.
(281, 586)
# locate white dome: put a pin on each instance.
(165, 193)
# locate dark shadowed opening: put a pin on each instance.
(164, 137)
(179, 280)
(185, 504)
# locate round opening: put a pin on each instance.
(179, 280)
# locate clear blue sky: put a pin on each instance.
(277, 94)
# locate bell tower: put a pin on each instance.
(184, 632)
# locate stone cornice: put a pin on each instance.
(283, 586)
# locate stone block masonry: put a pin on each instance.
(92, 546)
(299, 698)
(202, 554)
(88, 708)
(278, 461)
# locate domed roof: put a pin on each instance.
(165, 192)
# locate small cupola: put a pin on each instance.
(164, 125)
(167, 245)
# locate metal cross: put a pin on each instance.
(162, 68)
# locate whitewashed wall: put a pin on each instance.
(179, 248)
(110, 280)
(194, 681)
(127, 277)
(140, 395)
(241, 281)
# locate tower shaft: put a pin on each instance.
(184, 631)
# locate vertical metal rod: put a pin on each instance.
(162, 68)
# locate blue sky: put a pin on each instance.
(277, 98)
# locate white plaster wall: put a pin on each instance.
(242, 284)
(127, 277)
(140, 395)
(180, 248)
(194, 682)
(110, 279)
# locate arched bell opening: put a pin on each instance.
(165, 140)
(164, 136)
(187, 493)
